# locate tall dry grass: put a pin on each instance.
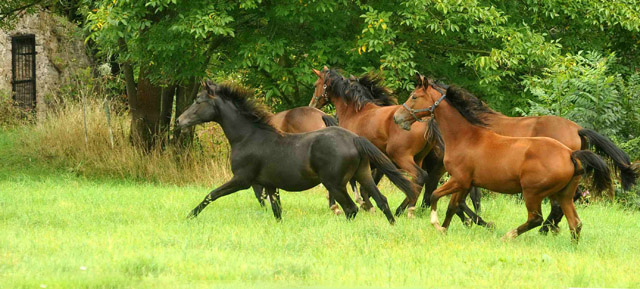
(59, 138)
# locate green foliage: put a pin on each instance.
(511, 53)
(11, 115)
(583, 88)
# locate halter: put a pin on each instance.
(429, 109)
(324, 90)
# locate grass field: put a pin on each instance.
(61, 230)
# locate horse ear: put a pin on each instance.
(420, 80)
(317, 72)
(352, 77)
(211, 86)
(325, 68)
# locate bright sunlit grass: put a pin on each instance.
(61, 230)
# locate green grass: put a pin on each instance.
(61, 230)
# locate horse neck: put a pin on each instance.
(455, 129)
(238, 129)
(344, 110)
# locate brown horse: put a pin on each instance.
(300, 120)
(565, 131)
(539, 167)
(372, 118)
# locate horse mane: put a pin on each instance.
(382, 95)
(246, 103)
(469, 106)
(360, 91)
(478, 106)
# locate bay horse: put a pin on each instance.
(306, 119)
(565, 131)
(366, 107)
(372, 117)
(263, 155)
(538, 167)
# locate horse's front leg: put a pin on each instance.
(232, 186)
(449, 187)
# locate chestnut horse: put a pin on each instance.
(369, 117)
(306, 119)
(565, 131)
(539, 167)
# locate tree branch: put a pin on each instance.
(6, 14)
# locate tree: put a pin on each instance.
(163, 48)
(12, 9)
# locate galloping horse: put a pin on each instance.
(263, 155)
(358, 111)
(565, 131)
(305, 119)
(539, 167)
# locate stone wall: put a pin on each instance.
(60, 54)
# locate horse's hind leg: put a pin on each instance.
(554, 218)
(365, 180)
(258, 190)
(565, 199)
(436, 171)
(274, 198)
(341, 195)
(332, 205)
(534, 207)
(476, 197)
(366, 202)
(407, 163)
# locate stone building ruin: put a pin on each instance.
(40, 55)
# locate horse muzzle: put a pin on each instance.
(402, 123)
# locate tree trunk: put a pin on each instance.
(146, 113)
(185, 95)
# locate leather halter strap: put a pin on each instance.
(428, 109)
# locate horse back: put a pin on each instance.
(298, 120)
(555, 127)
(376, 124)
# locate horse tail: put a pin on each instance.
(379, 160)
(329, 120)
(593, 166)
(605, 147)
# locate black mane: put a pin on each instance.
(469, 106)
(244, 100)
(360, 91)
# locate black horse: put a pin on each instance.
(263, 155)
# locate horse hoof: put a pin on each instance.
(468, 223)
(411, 213)
(491, 226)
(555, 230)
(336, 210)
(372, 210)
(509, 236)
(366, 207)
(442, 230)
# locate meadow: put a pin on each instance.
(62, 229)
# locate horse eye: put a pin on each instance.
(414, 97)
